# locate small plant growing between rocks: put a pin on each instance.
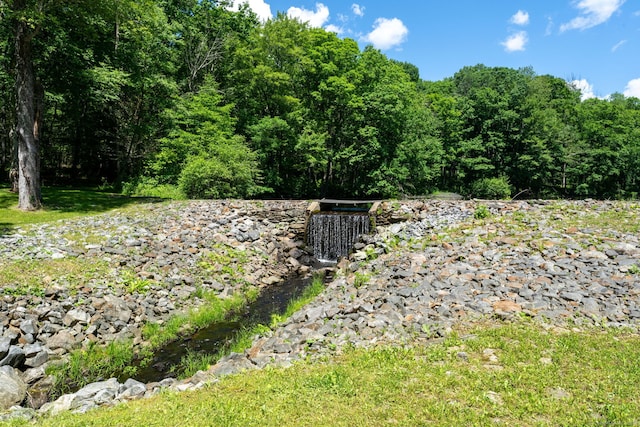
(361, 279)
(134, 284)
(481, 212)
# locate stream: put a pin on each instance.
(211, 339)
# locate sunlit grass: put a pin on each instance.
(61, 203)
(25, 277)
(514, 374)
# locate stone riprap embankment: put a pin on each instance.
(150, 262)
(430, 267)
(413, 281)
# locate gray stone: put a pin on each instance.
(15, 357)
(115, 308)
(132, 390)
(76, 316)
(29, 326)
(12, 389)
(63, 339)
(571, 296)
(89, 391)
(37, 359)
(5, 344)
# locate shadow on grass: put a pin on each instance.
(7, 198)
(62, 203)
(5, 228)
(87, 200)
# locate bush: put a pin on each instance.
(481, 212)
(150, 187)
(491, 188)
(208, 177)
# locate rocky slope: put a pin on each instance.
(429, 266)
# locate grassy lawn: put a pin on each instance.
(61, 203)
(510, 374)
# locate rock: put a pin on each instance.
(15, 357)
(115, 309)
(29, 326)
(62, 404)
(36, 355)
(76, 316)
(89, 391)
(12, 389)
(61, 340)
(506, 306)
(132, 390)
(5, 344)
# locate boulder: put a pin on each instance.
(115, 308)
(12, 389)
(15, 357)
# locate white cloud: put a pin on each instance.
(549, 29)
(387, 33)
(516, 42)
(586, 89)
(334, 29)
(520, 18)
(618, 45)
(357, 9)
(632, 89)
(315, 18)
(259, 7)
(592, 13)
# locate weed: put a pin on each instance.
(90, 364)
(134, 284)
(361, 279)
(481, 212)
(191, 363)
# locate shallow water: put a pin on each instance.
(209, 340)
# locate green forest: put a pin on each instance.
(186, 98)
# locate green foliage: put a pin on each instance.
(491, 188)
(90, 364)
(228, 175)
(214, 309)
(225, 261)
(145, 186)
(310, 292)
(191, 363)
(481, 212)
(361, 279)
(200, 155)
(191, 99)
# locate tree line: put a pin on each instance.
(189, 98)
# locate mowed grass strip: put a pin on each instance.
(62, 203)
(509, 374)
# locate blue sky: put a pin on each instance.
(594, 43)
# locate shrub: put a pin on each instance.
(481, 212)
(230, 174)
(150, 187)
(491, 188)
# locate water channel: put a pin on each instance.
(210, 340)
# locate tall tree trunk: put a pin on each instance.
(30, 197)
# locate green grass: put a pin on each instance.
(61, 203)
(214, 310)
(513, 374)
(89, 364)
(25, 277)
(308, 295)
